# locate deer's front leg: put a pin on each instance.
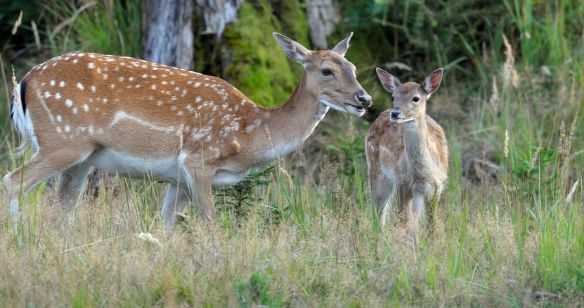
(199, 176)
(174, 203)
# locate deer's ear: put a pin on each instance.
(432, 82)
(293, 49)
(342, 46)
(388, 81)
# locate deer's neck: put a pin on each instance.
(290, 125)
(416, 144)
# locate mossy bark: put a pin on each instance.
(248, 56)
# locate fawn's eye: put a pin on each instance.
(327, 72)
(416, 99)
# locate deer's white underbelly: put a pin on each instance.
(226, 178)
(165, 169)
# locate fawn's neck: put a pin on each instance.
(416, 143)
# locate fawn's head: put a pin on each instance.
(329, 76)
(409, 99)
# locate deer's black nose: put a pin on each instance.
(394, 114)
(364, 99)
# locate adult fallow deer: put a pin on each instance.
(84, 110)
(406, 150)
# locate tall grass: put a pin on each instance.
(305, 235)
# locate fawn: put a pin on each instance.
(84, 110)
(406, 150)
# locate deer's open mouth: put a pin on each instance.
(354, 109)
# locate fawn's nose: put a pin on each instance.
(364, 99)
(394, 114)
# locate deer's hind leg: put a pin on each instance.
(43, 165)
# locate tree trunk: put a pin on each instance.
(217, 14)
(167, 36)
(167, 32)
(323, 15)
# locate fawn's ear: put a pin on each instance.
(388, 81)
(342, 46)
(432, 82)
(293, 49)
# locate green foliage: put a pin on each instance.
(293, 20)
(255, 62)
(111, 27)
(257, 292)
(239, 199)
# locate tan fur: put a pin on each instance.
(407, 160)
(136, 117)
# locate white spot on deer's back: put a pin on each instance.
(80, 86)
(59, 118)
(67, 128)
(93, 89)
(90, 65)
(199, 134)
(47, 94)
(52, 83)
(74, 110)
(57, 95)
(68, 102)
(85, 108)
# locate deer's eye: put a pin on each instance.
(416, 99)
(327, 72)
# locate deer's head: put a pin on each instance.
(410, 98)
(329, 76)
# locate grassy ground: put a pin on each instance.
(510, 231)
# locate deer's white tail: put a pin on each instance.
(21, 119)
